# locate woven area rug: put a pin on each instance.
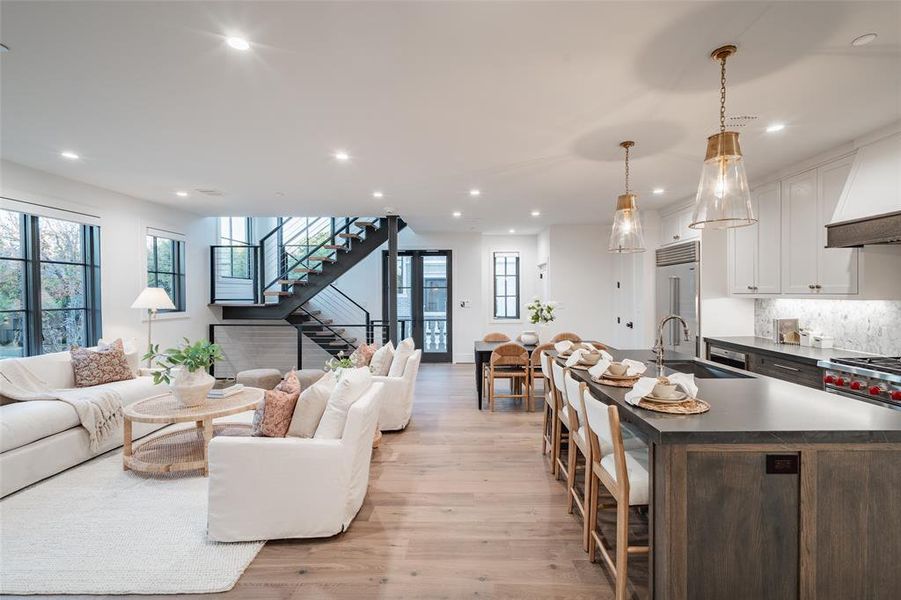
(96, 529)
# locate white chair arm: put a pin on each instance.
(269, 488)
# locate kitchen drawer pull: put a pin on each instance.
(787, 368)
(812, 286)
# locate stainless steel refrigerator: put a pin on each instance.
(678, 284)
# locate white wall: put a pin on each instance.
(123, 223)
(721, 315)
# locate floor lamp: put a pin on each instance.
(153, 299)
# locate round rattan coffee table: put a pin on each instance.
(186, 449)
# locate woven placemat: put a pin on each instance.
(620, 383)
(693, 406)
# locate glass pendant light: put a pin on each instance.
(626, 235)
(723, 199)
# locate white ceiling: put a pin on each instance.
(526, 101)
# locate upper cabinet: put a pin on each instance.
(674, 227)
(785, 253)
(754, 251)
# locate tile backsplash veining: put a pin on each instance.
(864, 325)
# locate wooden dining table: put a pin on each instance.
(483, 352)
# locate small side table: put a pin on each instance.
(184, 450)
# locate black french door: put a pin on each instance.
(423, 301)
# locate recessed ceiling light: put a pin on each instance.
(658, 191)
(775, 127)
(457, 214)
(69, 155)
(181, 194)
(378, 194)
(536, 213)
(512, 231)
(238, 43)
(863, 40)
(341, 156)
(474, 192)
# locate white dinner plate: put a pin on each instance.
(679, 397)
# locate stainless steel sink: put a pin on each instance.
(703, 370)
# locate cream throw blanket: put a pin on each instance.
(99, 409)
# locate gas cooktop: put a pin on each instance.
(884, 364)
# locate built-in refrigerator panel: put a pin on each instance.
(677, 285)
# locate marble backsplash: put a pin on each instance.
(865, 325)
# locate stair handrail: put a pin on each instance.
(329, 240)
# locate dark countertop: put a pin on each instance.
(767, 346)
(757, 409)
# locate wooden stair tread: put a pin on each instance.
(305, 270)
(322, 258)
(364, 224)
(292, 281)
(336, 247)
(349, 236)
(276, 293)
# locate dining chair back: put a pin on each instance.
(599, 438)
(496, 336)
(509, 361)
(567, 336)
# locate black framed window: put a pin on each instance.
(236, 232)
(49, 284)
(506, 285)
(166, 268)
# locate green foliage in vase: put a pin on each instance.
(193, 357)
(541, 313)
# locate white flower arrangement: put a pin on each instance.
(541, 313)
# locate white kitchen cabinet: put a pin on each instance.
(800, 234)
(808, 201)
(674, 227)
(755, 259)
(836, 267)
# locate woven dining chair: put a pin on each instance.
(494, 336)
(509, 361)
(566, 335)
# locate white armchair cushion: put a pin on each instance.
(352, 384)
(311, 406)
(380, 363)
(404, 350)
(397, 399)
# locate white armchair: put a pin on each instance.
(275, 488)
(397, 400)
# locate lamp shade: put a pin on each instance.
(153, 298)
(626, 235)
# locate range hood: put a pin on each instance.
(869, 210)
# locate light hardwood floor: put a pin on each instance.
(460, 505)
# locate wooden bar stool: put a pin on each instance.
(625, 475)
(566, 336)
(562, 422)
(509, 361)
(578, 444)
(549, 419)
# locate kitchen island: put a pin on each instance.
(779, 491)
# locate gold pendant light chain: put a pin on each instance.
(628, 190)
(722, 94)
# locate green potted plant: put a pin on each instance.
(185, 368)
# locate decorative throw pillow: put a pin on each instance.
(310, 407)
(362, 355)
(96, 367)
(273, 417)
(132, 355)
(380, 363)
(405, 350)
(350, 387)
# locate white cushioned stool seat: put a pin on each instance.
(637, 467)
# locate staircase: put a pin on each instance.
(288, 276)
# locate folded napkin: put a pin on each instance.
(575, 357)
(563, 346)
(599, 369)
(606, 356)
(642, 388)
(635, 367)
(685, 382)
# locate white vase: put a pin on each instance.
(191, 389)
(529, 337)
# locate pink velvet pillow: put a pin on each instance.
(363, 355)
(273, 418)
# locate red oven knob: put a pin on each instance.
(829, 379)
(840, 381)
(875, 390)
(856, 385)
(896, 395)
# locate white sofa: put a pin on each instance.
(397, 405)
(40, 438)
(276, 488)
